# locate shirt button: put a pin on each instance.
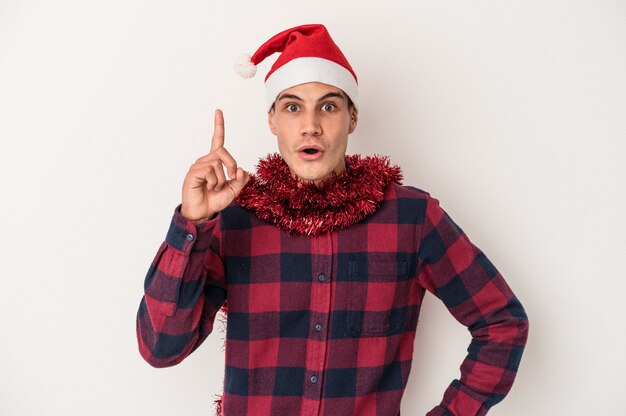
(189, 237)
(318, 327)
(321, 277)
(314, 379)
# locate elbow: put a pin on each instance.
(507, 325)
(162, 350)
(524, 327)
(159, 363)
(516, 327)
(158, 357)
(520, 319)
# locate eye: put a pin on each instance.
(292, 108)
(328, 107)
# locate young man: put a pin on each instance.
(323, 260)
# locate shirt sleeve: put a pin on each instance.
(457, 272)
(183, 291)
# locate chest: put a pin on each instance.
(358, 281)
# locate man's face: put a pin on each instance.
(311, 122)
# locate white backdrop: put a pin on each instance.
(512, 113)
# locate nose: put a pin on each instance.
(311, 124)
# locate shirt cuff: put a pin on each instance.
(185, 235)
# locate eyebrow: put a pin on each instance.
(331, 95)
(289, 96)
(324, 97)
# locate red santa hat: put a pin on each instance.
(308, 55)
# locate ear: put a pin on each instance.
(270, 120)
(354, 119)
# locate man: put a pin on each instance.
(324, 260)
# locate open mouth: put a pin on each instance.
(311, 153)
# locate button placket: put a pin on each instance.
(321, 301)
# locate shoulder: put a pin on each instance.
(398, 191)
(403, 204)
(413, 190)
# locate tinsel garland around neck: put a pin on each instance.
(304, 208)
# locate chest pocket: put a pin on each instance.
(378, 300)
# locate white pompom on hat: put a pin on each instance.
(244, 66)
(308, 54)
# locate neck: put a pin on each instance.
(320, 181)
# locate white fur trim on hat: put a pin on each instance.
(310, 69)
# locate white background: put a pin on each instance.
(512, 113)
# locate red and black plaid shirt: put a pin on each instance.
(326, 325)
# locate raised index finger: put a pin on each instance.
(218, 130)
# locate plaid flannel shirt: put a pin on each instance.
(326, 325)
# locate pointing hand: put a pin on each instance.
(206, 191)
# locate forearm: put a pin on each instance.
(490, 367)
(175, 315)
(476, 294)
